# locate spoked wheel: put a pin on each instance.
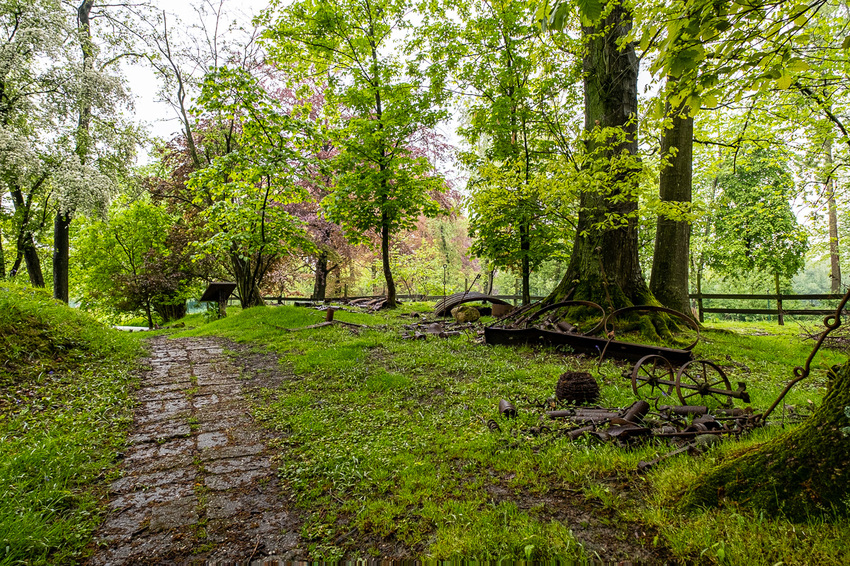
(651, 372)
(705, 379)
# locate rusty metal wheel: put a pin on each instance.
(705, 379)
(651, 372)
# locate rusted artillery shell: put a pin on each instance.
(507, 409)
(636, 412)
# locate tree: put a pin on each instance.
(493, 51)
(137, 260)
(755, 228)
(244, 191)
(604, 265)
(102, 144)
(381, 182)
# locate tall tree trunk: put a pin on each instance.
(61, 255)
(25, 241)
(385, 261)
(670, 261)
(834, 263)
(62, 222)
(604, 266)
(320, 284)
(525, 250)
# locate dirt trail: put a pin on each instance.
(197, 481)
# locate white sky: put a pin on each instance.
(159, 118)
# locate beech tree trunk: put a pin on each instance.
(834, 259)
(802, 473)
(604, 265)
(61, 255)
(320, 284)
(671, 257)
(385, 262)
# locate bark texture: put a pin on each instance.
(320, 283)
(604, 266)
(834, 259)
(670, 261)
(802, 473)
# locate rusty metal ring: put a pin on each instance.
(651, 308)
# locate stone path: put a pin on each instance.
(197, 485)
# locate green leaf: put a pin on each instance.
(558, 18)
(846, 43)
(785, 81)
(591, 10)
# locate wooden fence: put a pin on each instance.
(776, 300)
(776, 307)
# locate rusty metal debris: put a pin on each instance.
(550, 331)
(445, 306)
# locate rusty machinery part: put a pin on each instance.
(831, 322)
(704, 379)
(530, 319)
(494, 426)
(610, 329)
(650, 373)
(507, 409)
(444, 306)
(577, 387)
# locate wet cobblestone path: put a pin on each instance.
(198, 485)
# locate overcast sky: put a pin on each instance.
(160, 118)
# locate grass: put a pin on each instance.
(385, 439)
(64, 405)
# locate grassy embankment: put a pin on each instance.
(385, 442)
(65, 403)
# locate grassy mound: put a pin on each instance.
(64, 406)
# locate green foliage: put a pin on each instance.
(134, 261)
(379, 116)
(755, 228)
(63, 410)
(244, 192)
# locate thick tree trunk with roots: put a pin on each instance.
(670, 260)
(604, 265)
(802, 473)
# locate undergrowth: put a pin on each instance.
(385, 444)
(64, 406)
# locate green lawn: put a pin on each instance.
(385, 439)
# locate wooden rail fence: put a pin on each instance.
(776, 299)
(776, 309)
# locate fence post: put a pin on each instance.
(779, 301)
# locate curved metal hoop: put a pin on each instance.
(650, 308)
(831, 322)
